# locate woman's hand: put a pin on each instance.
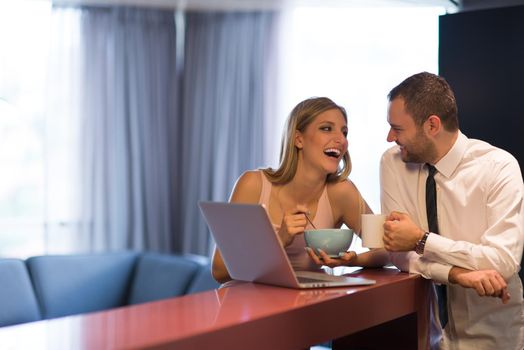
(293, 223)
(346, 259)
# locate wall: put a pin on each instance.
(481, 54)
(468, 5)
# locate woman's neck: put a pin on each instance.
(305, 188)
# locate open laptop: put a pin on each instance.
(252, 251)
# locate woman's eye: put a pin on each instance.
(325, 128)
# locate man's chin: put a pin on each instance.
(409, 158)
(404, 155)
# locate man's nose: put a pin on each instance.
(391, 136)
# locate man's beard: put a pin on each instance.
(420, 150)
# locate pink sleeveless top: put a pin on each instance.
(298, 257)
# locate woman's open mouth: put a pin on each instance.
(332, 152)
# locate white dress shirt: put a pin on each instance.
(481, 222)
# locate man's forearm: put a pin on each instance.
(485, 282)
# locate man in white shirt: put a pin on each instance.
(479, 213)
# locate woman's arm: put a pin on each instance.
(348, 203)
(374, 258)
(247, 190)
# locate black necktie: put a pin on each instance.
(431, 211)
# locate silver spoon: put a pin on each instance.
(310, 221)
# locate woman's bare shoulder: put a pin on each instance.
(342, 189)
(248, 187)
(346, 196)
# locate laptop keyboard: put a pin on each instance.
(310, 280)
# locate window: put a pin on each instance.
(352, 55)
(23, 47)
(355, 56)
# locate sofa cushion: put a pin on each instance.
(18, 302)
(72, 284)
(160, 276)
(203, 280)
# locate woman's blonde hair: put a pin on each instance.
(298, 120)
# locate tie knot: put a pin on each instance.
(432, 170)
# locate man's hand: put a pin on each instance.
(400, 233)
(485, 282)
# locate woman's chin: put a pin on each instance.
(331, 169)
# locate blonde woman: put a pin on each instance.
(312, 180)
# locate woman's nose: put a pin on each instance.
(340, 139)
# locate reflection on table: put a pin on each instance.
(247, 315)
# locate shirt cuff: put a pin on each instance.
(435, 243)
(435, 271)
(440, 272)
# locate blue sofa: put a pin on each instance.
(44, 287)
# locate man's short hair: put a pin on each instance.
(427, 94)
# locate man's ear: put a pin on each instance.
(299, 139)
(433, 125)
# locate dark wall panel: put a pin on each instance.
(481, 54)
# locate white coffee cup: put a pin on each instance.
(373, 230)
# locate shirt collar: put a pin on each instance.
(447, 164)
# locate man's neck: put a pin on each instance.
(444, 143)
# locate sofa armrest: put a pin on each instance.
(18, 302)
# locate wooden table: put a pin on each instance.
(249, 316)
